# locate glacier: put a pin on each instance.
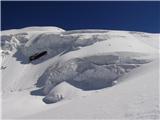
(78, 64)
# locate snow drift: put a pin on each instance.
(77, 63)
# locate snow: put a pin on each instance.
(30, 30)
(62, 91)
(86, 74)
(128, 100)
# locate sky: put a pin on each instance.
(131, 16)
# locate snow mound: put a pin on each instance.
(62, 91)
(76, 63)
(59, 44)
(11, 40)
(135, 98)
(56, 44)
(90, 73)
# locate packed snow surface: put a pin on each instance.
(86, 74)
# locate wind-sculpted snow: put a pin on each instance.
(31, 30)
(103, 73)
(9, 43)
(55, 41)
(56, 44)
(63, 90)
(11, 40)
(88, 73)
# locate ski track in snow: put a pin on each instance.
(93, 70)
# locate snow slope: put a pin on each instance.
(135, 98)
(103, 73)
